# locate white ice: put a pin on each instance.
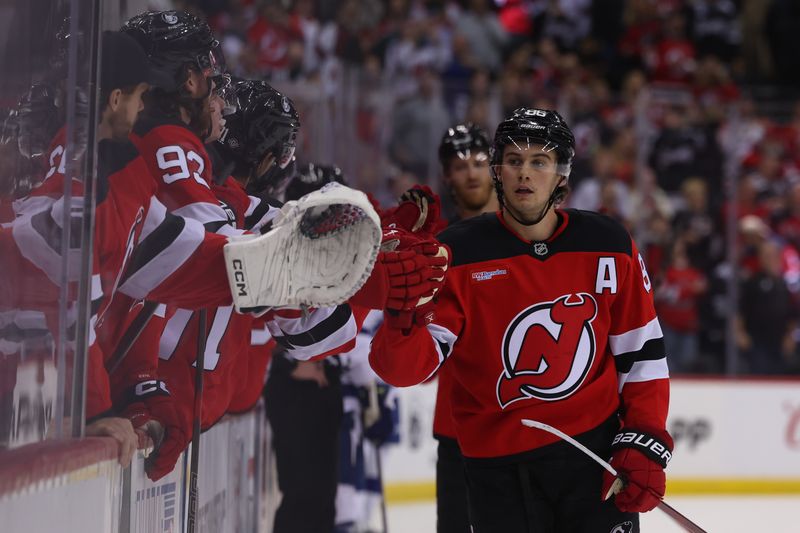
(718, 514)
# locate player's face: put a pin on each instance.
(470, 181)
(217, 120)
(528, 175)
(125, 110)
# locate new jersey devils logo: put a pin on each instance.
(547, 350)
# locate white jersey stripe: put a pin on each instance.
(155, 216)
(301, 324)
(170, 259)
(203, 212)
(336, 339)
(644, 371)
(634, 340)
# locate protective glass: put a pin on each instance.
(223, 88)
(286, 154)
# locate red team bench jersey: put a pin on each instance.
(562, 331)
(139, 250)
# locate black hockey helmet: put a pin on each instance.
(264, 122)
(312, 177)
(461, 141)
(38, 119)
(536, 126)
(175, 40)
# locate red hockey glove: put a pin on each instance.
(640, 459)
(419, 211)
(414, 284)
(408, 269)
(152, 409)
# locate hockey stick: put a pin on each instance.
(131, 334)
(680, 519)
(373, 412)
(194, 461)
(384, 515)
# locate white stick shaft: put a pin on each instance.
(687, 524)
(562, 435)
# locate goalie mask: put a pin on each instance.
(527, 127)
(462, 141)
(265, 123)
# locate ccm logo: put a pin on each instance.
(152, 386)
(239, 278)
(648, 443)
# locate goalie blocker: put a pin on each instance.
(319, 252)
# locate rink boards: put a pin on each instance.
(731, 436)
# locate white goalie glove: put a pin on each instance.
(319, 252)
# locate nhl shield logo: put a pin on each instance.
(540, 248)
(547, 350)
(285, 105)
(170, 18)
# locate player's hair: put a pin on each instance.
(178, 43)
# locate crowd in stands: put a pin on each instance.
(672, 136)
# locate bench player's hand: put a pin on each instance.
(119, 429)
(153, 411)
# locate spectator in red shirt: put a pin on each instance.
(677, 306)
(271, 37)
(672, 59)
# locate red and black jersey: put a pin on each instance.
(140, 251)
(178, 161)
(562, 331)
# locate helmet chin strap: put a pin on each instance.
(550, 201)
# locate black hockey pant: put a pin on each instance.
(554, 489)
(451, 489)
(305, 421)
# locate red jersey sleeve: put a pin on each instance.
(637, 344)
(405, 360)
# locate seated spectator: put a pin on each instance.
(716, 29)
(487, 37)
(417, 124)
(767, 318)
(587, 195)
(677, 304)
(698, 229)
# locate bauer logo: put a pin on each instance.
(240, 280)
(486, 275)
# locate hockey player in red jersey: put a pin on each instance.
(545, 314)
(464, 156)
(139, 249)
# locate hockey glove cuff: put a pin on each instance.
(152, 408)
(419, 211)
(640, 458)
